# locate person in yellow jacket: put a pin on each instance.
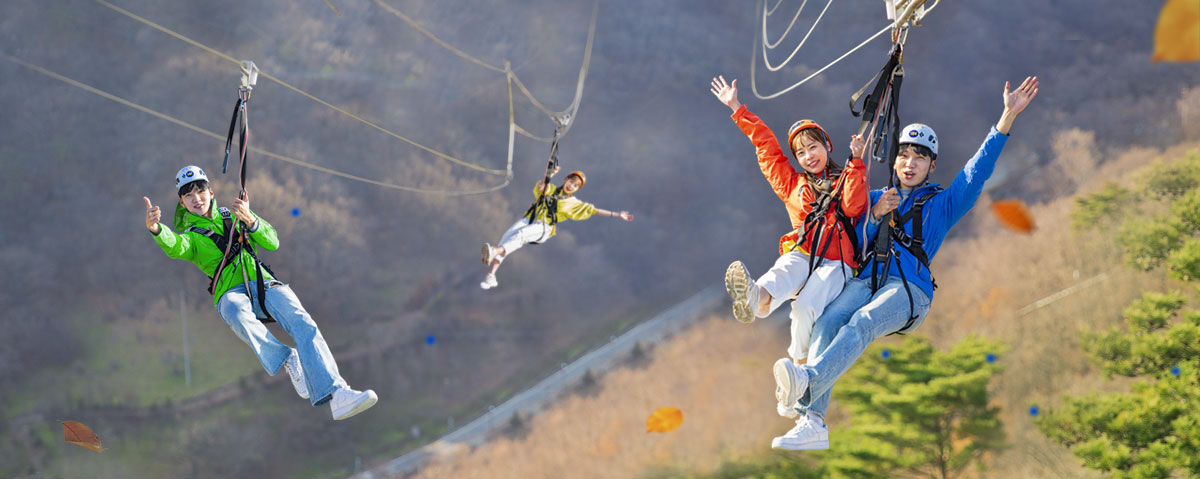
(539, 223)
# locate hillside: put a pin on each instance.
(94, 313)
(997, 284)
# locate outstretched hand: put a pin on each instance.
(625, 215)
(725, 93)
(1015, 102)
(153, 215)
(1018, 99)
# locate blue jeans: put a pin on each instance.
(239, 310)
(848, 325)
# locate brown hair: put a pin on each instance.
(811, 134)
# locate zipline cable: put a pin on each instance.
(556, 116)
(287, 85)
(269, 154)
(767, 61)
(905, 17)
(785, 31)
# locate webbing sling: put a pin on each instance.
(547, 202)
(249, 78)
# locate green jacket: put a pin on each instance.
(202, 252)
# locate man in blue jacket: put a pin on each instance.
(897, 299)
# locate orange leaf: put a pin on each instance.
(78, 434)
(1177, 36)
(1013, 215)
(664, 420)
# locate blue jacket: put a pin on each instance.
(941, 212)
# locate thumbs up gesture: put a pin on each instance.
(153, 214)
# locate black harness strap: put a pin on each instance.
(815, 222)
(913, 243)
(232, 250)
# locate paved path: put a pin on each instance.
(548, 390)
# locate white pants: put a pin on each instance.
(522, 233)
(789, 278)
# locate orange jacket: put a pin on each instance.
(789, 185)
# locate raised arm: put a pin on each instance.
(771, 160)
(964, 191)
(175, 246)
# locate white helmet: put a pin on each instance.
(919, 134)
(189, 174)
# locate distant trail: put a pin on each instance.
(548, 390)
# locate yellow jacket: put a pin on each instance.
(569, 208)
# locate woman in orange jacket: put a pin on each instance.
(824, 201)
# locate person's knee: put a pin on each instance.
(860, 327)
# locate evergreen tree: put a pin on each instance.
(1153, 431)
(914, 410)
(917, 410)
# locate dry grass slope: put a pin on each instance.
(718, 371)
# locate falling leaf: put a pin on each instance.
(80, 435)
(1013, 215)
(1177, 36)
(664, 420)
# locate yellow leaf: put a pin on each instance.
(664, 420)
(78, 434)
(1013, 215)
(1177, 36)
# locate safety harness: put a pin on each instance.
(914, 244)
(232, 249)
(815, 221)
(544, 202)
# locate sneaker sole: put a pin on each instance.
(792, 445)
(484, 250)
(300, 387)
(363, 405)
(736, 285)
(786, 389)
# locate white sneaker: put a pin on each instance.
(489, 282)
(738, 284)
(786, 411)
(489, 254)
(790, 381)
(347, 402)
(809, 434)
(292, 366)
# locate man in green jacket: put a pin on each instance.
(202, 240)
